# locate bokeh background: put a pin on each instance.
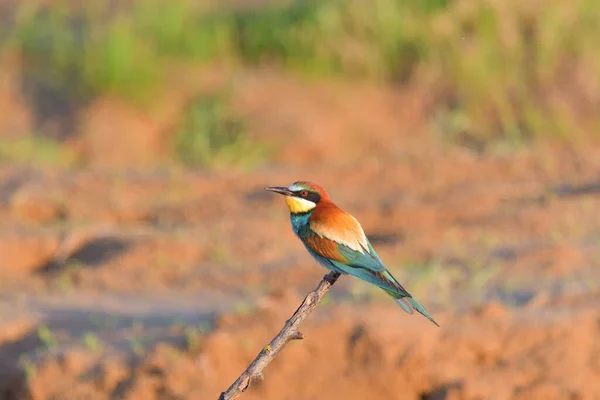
(140, 257)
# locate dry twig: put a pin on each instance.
(289, 332)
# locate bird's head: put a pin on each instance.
(301, 196)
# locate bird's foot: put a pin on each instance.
(332, 277)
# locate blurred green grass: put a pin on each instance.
(36, 150)
(94, 49)
(495, 69)
(211, 135)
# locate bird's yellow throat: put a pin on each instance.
(298, 205)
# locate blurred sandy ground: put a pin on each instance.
(141, 259)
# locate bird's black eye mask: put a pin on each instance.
(308, 195)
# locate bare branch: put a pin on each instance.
(289, 332)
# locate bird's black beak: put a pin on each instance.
(281, 190)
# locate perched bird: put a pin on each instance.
(337, 241)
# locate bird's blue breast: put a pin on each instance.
(300, 223)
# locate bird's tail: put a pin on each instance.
(409, 304)
(417, 306)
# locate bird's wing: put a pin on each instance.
(382, 279)
(338, 237)
(369, 267)
(324, 247)
(343, 254)
(330, 222)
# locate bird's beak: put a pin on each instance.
(281, 190)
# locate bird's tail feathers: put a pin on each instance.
(405, 305)
(419, 307)
(409, 304)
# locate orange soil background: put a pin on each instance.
(157, 283)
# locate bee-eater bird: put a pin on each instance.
(337, 241)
